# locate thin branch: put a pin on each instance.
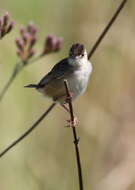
(18, 67)
(108, 26)
(25, 134)
(76, 139)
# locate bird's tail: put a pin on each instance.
(31, 86)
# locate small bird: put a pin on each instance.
(76, 69)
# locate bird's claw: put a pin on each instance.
(73, 123)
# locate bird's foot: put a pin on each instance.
(73, 123)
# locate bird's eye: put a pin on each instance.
(82, 55)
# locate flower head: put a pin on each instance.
(26, 42)
(52, 44)
(6, 25)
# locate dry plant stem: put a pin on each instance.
(76, 139)
(108, 26)
(25, 134)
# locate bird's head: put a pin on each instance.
(78, 52)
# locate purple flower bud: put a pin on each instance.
(58, 44)
(5, 19)
(32, 28)
(52, 44)
(49, 43)
(22, 30)
(25, 37)
(33, 41)
(19, 44)
(5, 24)
(10, 27)
(26, 42)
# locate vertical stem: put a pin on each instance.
(76, 139)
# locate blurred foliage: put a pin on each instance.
(46, 160)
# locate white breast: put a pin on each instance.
(79, 81)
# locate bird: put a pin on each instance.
(76, 69)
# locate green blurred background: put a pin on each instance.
(106, 112)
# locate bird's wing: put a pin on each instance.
(60, 70)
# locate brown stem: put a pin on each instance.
(26, 133)
(108, 26)
(76, 139)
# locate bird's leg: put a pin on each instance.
(65, 107)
